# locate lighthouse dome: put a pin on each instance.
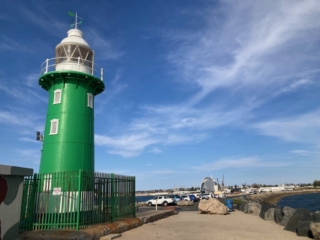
(75, 36)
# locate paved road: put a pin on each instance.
(178, 208)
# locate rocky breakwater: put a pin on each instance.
(301, 221)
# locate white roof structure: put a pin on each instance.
(208, 185)
(75, 36)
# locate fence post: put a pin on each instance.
(79, 198)
(134, 195)
(112, 197)
(32, 202)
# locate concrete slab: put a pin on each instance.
(151, 216)
(111, 236)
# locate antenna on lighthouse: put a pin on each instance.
(75, 21)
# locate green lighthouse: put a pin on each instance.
(72, 80)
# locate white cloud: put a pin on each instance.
(295, 86)
(156, 150)
(9, 44)
(301, 152)
(235, 163)
(43, 20)
(32, 79)
(126, 145)
(22, 93)
(247, 55)
(301, 128)
(104, 47)
(255, 54)
(28, 152)
(26, 139)
(22, 119)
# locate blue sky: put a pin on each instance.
(193, 88)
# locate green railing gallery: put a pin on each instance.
(74, 200)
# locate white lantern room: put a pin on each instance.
(74, 53)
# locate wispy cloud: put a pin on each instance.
(41, 18)
(156, 150)
(126, 146)
(297, 84)
(237, 163)
(8, 44)
(26, 139)
(102, 45)
(167, 125)
(301, 128)
(22, 119)
(22, 93)
(248, 54)
(31, 80)
(246, 61)
(112, 90)
(30, 155)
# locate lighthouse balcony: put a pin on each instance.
(71, 64)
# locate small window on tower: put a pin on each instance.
(54, 126)
(57, 96)
(90, 100)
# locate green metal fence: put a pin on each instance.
(74, 200)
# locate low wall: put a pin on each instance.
(11, 188)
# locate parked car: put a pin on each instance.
(161, 200)
(175, 197)
(205, 196)
(189, 198)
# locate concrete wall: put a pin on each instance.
(11, 188)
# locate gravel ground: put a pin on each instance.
(192, 225)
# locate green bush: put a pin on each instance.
(237, 201)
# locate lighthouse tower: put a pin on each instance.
(72, 80)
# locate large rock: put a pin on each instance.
(278, 215)
(269, 215)
(252, 208)
(244, 198)
(303, 229)
(316, 217)
(264, 209)
(241, 206)
(212, 206)
(315, 229)
(287, 214)
(300, 214)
